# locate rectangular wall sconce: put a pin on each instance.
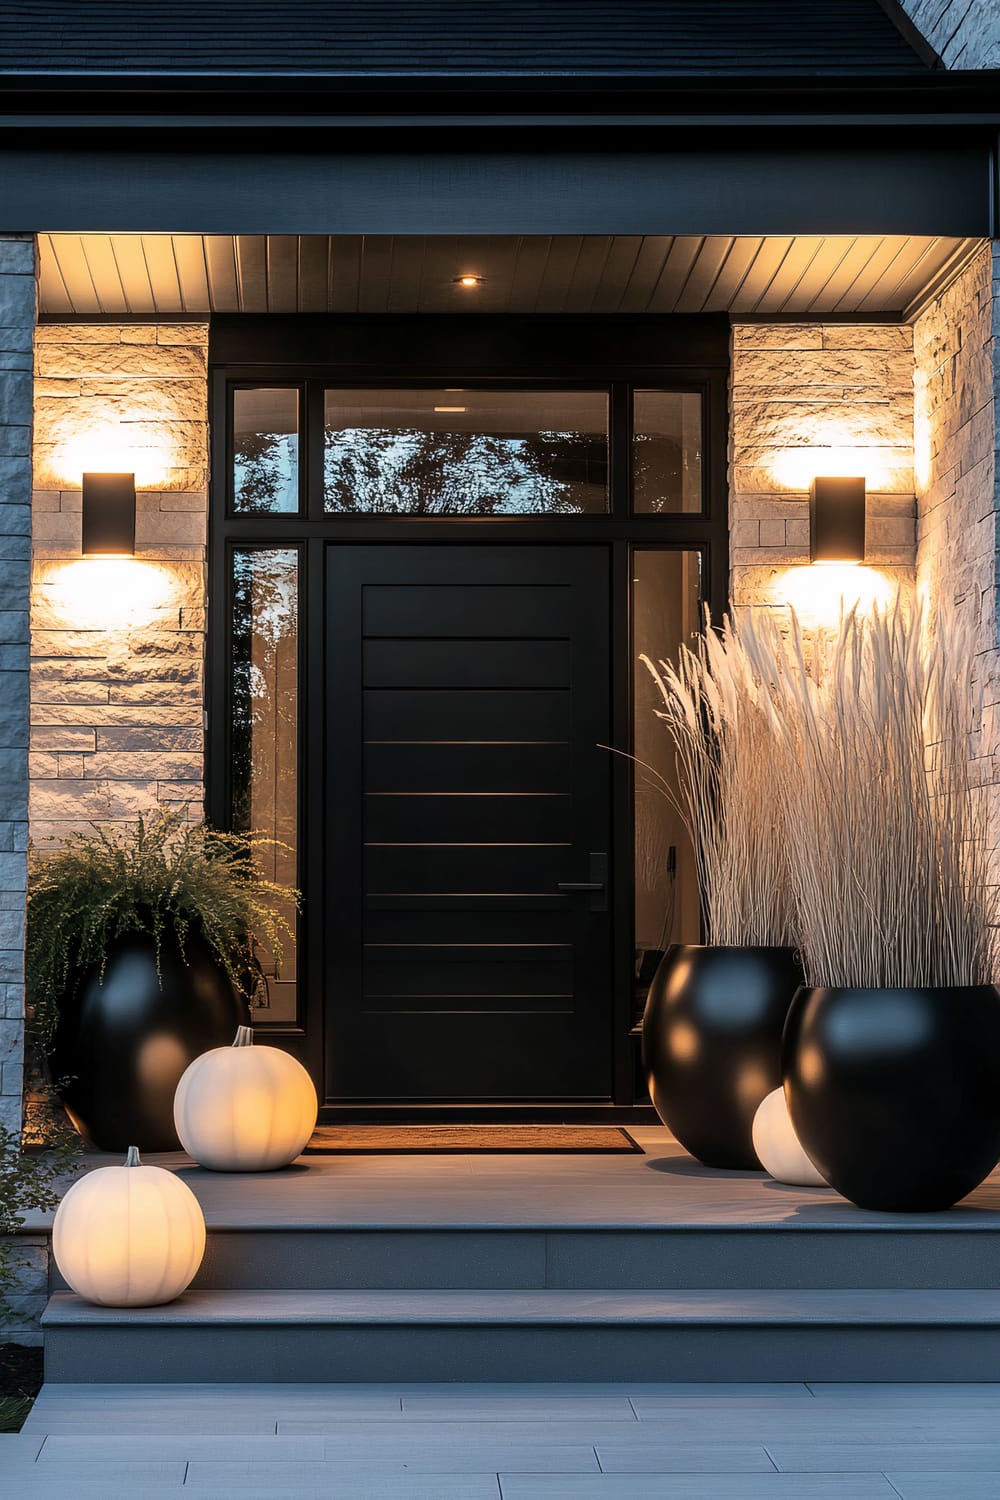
(837, 520)
(108, 515)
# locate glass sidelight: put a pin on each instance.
(666, 612)
(265, 729)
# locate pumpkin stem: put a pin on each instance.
(244, 1036)
(132, 1157)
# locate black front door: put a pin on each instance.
(467, 698)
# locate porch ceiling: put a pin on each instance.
(114, 274)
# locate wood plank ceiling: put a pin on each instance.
(798, 275)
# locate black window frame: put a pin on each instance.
(411, 352)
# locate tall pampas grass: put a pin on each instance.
(886, 830)
(725, 791)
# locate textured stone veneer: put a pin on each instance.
(17, 319)
(809, 399)
(958, 506)
(964, 33)
(117, 648)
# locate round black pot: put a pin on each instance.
(895, 1094)
(711, 1044)
(122, 1045)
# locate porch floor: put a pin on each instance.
(662, 1189)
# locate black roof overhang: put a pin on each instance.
(502, 155)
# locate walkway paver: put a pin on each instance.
(523, 1442)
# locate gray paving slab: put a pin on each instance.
(697, 1487)
(355, 1486)
(18, 1447)
(918, 1453)
(469, 1405)
(103, 1448)
(949, 1484)
(166, 1426)
(44, 1488)
(710, 1457)
(136, 1470)
(474, 1460)
(883, 1391)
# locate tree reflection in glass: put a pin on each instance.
(265, 725)
(396, 453)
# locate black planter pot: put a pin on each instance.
(895, 1094)
(124, 1043)
(711, 1044)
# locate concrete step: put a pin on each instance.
(702, 1335)
(662, 1258)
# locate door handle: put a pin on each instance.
(597, 885)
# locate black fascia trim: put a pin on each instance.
(263, 95)
(475, 344)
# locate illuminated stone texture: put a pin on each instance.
(17, 319)
(809, 399)
(117, 681)
(958, 506)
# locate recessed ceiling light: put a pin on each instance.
(451, 408)
(468, 281)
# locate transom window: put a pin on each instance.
(456, 451)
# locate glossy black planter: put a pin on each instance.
(711, 1044)
(124, 1044)
(895, 1094)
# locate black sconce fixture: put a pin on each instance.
(108, 515)
(837, 520)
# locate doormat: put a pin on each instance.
(499, 1140)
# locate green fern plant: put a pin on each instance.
(165, 877)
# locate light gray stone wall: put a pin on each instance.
(30, 1256)
(964, 33)
(18, 300)
(956, 347)
(117, 658)
(805, 399)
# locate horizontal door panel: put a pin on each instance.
(518, 928)
(469, 1005)
(449, 609)
(489, 901)
(401, 714)
(394, 817)
(464, 870)
(501, 766)
(483, 1055)
(466, 664)
(537, 979)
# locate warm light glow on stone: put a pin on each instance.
(796, 468)
(109, 593)
(110, 449)
(819, 594)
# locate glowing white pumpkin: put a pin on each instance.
(777, 1145)
(244, 1108)
(130, 1236)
